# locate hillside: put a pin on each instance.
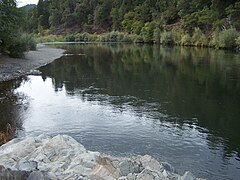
(28, 7)
(131, 15)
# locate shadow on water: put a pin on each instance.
(195, 86)
(12, 106)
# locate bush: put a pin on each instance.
(113, 36)
(186, 40)
(214, 42)
(138, 39)
(238, 41)
(227, 38)
(156, 35)
(70, 38)
(49, 38)
(167, 38)
(120, 37)
(78, 37)
(147, 32)
(93, 37)
(29, 41)
(177, 36)
(19, 45)
(128, 38)
(199, 39)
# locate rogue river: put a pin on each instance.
(180, 105)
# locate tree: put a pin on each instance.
(9, 20)
(11, 40)
(147, 32)
(102, 14)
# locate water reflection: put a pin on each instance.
(179, 105)
(198, 86)
(12, 106)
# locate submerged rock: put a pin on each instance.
(62, 157)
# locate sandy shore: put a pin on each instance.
(11, 68)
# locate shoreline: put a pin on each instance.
(62, 157)
(11, 68)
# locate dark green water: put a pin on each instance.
(180, 105)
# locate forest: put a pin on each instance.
(202, 23)
(185, 22)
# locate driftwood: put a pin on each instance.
(6, 136)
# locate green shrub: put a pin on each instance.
(238, 41)
(93, 37)
(70, 38)
(138, 39)
(17, 48)
(85, 36)
(177, 36)
(50, 38)
(227, 38)
(128, 38)
(21, 44)
(120, 36)
(113, 36)
(167, 38)
(156, 35)
(29, 41)
(186, 40)
(199, 39)
(78, 37)
(214, 42)
(147, 32)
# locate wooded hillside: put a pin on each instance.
(61, 16)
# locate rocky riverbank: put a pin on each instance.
(62, 157)
(11, 68)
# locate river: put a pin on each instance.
(177, 104)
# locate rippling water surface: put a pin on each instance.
(180, 105)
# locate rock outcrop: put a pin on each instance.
(62, 157)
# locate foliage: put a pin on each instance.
(49, 38)
(12, 41)
(167, 38)
(199, 39)
(186, 40)
(70, 38)
(227, 38)
(214, 42)
(147, 32)
(130, 16)
(156, 35)
(21, 44)
(238, 41)
(29, 41)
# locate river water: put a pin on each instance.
(180, 105)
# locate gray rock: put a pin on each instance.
(8, 174)
(38, 175)
(188, 176)
(129, 166)
(168, 167)
(131, 176)
(126, 167)
(62, 157)
(147, 174)
(27, 166)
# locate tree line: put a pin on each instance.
(149, 20)
(12, 39)
(131, 15)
